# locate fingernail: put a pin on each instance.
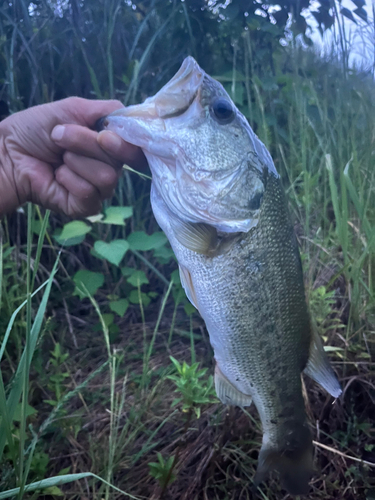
(109, 140)
(57, 133)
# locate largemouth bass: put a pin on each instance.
(217, 196)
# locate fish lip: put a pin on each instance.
(174, 98)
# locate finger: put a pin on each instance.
(80, 198)
(119, 149)
(75, 184)
(98, 174)
(86, 111)
(79, 140)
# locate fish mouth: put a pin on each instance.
(145, 124)
(172, 100)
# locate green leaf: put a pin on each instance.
(139, 240)
(57, 481)
(189, 308)
(138, 278)
(119, 306)
(95, 218)
(64, 471)
(175, 277)
(29, 411)
(72, 233)
(134, 298)
(164, 254)
(91, 283)
(108, 319)
(127, 271)
(36, 226)
(114, 251)
(116, 215)
(8, 405)
(53, 490)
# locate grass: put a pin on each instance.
(92, 403)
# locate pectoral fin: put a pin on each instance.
(188, 286)
(227, 393)
(198, 237)
(319, 369)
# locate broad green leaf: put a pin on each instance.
(138, 278)
(108, 318)
(53, 490)
(134, 298)
(36, 226)
(127, 271)
(29, 411)
(114, 251)
(72, 233)
(189, 308)
(91, 283)
(69, 243)
(116, 215)
(164, 254)
(175, 277)
(139, 240)
(95, 218)
(119, 306)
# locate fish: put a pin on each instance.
(217, 196)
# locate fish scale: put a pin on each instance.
(217, 196)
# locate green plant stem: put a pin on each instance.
(178, 453)
(26, 373)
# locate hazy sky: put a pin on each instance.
(361, 36)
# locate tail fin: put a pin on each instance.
(292, 459)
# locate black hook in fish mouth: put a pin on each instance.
(101, 124)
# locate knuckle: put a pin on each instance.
(74, 101)
(88, 192)
(107, 177)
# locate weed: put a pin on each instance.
(194, 391)
(59, 375)
(162, 470)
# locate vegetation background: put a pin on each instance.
(105, 385)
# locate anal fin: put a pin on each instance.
(319, 368)
(227, 393)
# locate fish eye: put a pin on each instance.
(223, 110)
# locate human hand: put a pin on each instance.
(49, 155)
